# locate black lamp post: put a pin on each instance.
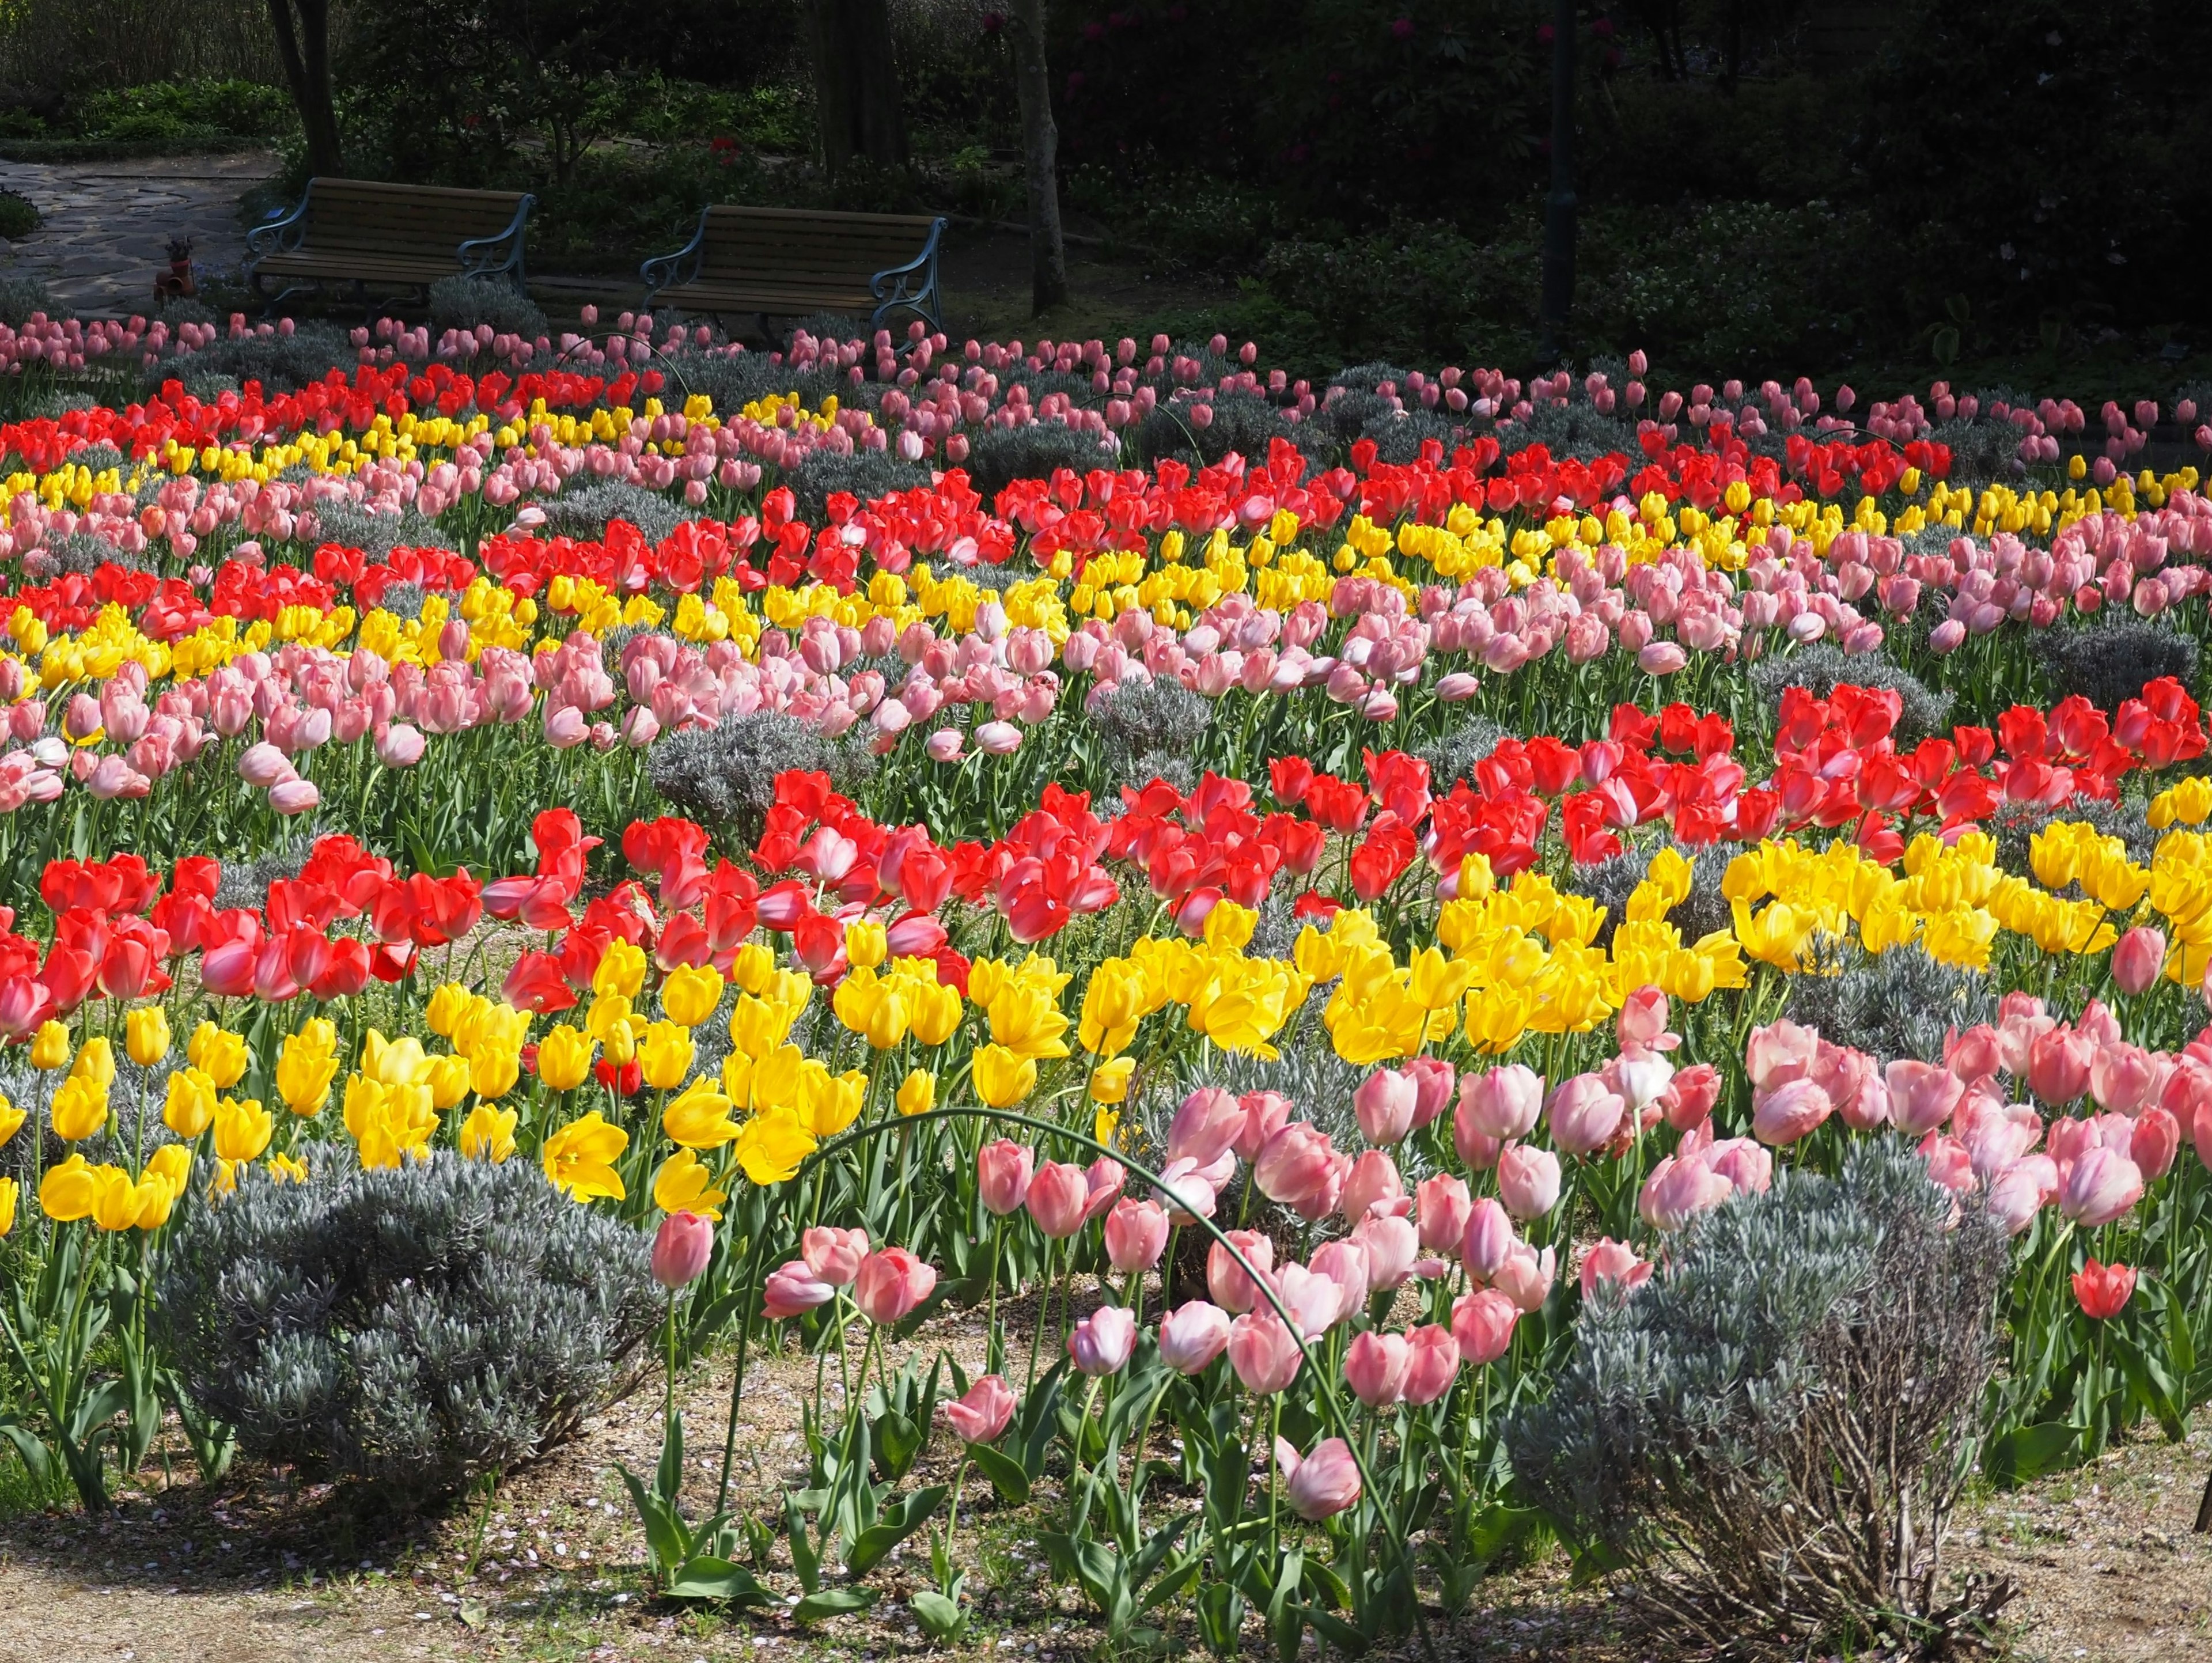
(1556, 307)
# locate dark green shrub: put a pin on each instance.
(724, 776)
(463, 303)
(2108, 664)
(411, 1327)
(18, 216)
(1773, 1430)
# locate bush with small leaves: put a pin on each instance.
(1773, 1430)
(1901, 1003)
(465, 303)
(411, 1327)
(724, 776)
(2109, 664)
(867, 474)
(21, 294)
(2015, 824)
(1452, 758)
(1822, 668)
(377, 535)
(999, 456)
(1146, 727)
(1700, 913)
(281, 363)
(584, 512)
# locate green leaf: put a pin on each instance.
(1220, 1617)
(832, 1602)
(668, 1478)
(2028, 1452)
(710, 1578)
(941, 1619)
(899, 1441)
(1334, 1630)
(805, 1557)
(1172, 1585)
(28, 1446)
(899, 1521)
(1004, 1472)
(2153, 1384)
(665, 1538)
(1496, 1529)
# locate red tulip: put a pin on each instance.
(2103, 1289)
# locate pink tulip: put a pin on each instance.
(1434, 1080)
(1503, 1103)
(1375, 1367)
(1487, 1239)
(1642, 1024)
(1302, 1169)
(1206, 1127)
(2122, 1077)
(833, 1254)
(1265, 1114)
(1922, 1096)
(1192, 1335)
(1779, 1052)
(263, 765)
(1584, 1115)
(2102, 1186)
(983, 1415)
(792, 1289)
(399, 746)
(1264, 1353)
(1433, 1362)
(1529, 1180)
(1373, 1184)
(1384, 1104)
(1002, 1175)
(1482, 1325)
(1225, 1279)
(1057, 1198)
(1136, 1235)
(681, 1248)
(1789, 1111)
(294, 796)
(2138, 958)
(1614, 1262)
(1690, 1096)
(890, 1283)
(2155, 1141)
(1681, 1187)
(1389, 1245)
(1441, 1207)
(1525, 1278)
(1322, 1484)
(2059, 1065)
(1101, 1342)
(2022, 1190)
(1102, 1185)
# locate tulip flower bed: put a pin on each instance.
(1310, 933)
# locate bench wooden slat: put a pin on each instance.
(785, 261)
(370, 230)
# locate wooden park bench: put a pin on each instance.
(786, 261)
(389, 238)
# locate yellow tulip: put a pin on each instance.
(564, 1057)
(67, 1192)
(242, 1128)
(917, 1092)
(684, 1185)
(936, 1014)
(866, 945)
(79, 1109)
(50, 1048)
(306, 1065)
(448, 1006)
(1003, 1077)
(489, 1133)
(772, 1145)
(833, 1104)
(96, 1062)
(152, 1200)
(283, 1169)
(1229, 927)
(146, 1036)
(700, 1118)
(172, 1164)
(621, 970)
(689, 995)
(190, 1109)
(218, 1053)
(115, 1198)
(1106, 1126)
(448, 1078)
(579, 1159)
(752, 968)
(665, 1055)
(493, 1071)
(7, 1205)
(11, 1119)
(1110, 1081)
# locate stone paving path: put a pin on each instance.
(107, 224)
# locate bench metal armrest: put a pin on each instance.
(283, 228)
(893, 290)
(668, 270)
(501, 254)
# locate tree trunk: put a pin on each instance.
(303, 43)
(1732, 46)
(1040, 157)
(856, 93)
(1559, 261)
